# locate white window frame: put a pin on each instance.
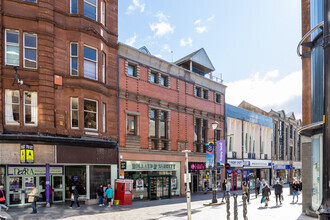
(71, 7)
(11, 44)
(103, 66)
(97, 115)
(96, 8)
(103, 12)
(97, 63)
(71, 110)
(10, 103)
(104, 108)
(35, 1)
(25, 47)
(71, 56)
(27, 124)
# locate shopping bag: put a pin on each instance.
(111, 201)
(262, 200)
(72, 197)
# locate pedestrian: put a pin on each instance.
(278, 191)
(206, 187)
(246, 191)
(295, 189)
(109, 195)
(3, 199)
(266, 193)
(228, 187)
(224, 183)
(33, 197)
(100, 193)
(257, 187)
(74, 197)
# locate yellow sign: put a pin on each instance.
(27, 155)
(22, 155)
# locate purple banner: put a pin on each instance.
(221, 153)
(209, 155)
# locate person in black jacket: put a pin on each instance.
(257, 189)
(295, 188)
(74, 197)
(278, 191)
(266, 193)
(100, 193)
(224, 185)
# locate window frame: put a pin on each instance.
(6, 43)
(155, 120)
(134, 70)
(104, 66)
(104, 117)
(35, 1)
(216, 98)
(205, 94)
(96, 9)
(71, 56)
(19, 107)
(25, 47)
(71, 110)
(154, 74)
(165, 77)
(103, 12)
(96, 63)
(97, 115)
(198, 91)
(161, 120)
(71, 7)
(27, 124)
(128, 131)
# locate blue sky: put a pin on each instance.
(252, 43)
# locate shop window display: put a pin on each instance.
(75, 176)
(98, 175)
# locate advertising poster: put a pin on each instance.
(173, 182)
(209, 155)
(139, 185)
(221, 153)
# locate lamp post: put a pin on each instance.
(214, 199)
(187, 182)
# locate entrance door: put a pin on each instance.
(58, 189)
(159, 187)
(235, 180)
(195, 183)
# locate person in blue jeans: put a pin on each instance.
(109, 194)
(100, 193)
(295, 189)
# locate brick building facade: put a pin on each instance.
(166, 108)
(63, 99)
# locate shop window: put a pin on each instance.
(30, 108)
(75, 176)
(103, 67)
(90, 9)
(12, 100)
(98, 175)
(152, 123)
(74, 6)
(12, 48)
(90, 63)
(103, 12)
(30, 50)
(74, 112)
(131, 71)
(131, 125)
(74, 59)
(90, 114)
(153, 77)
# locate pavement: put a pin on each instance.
(168, 209)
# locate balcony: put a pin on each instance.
(207, 75)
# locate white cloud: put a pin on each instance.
(268, 91)
(158, 55)
(184, 42)
(167, 48)
(211, 18)
(197, 22)
(137, 4)
(201, 29)
(131, 41)
(162, 27)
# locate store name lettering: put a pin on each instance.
(24, 171)
(138, 166)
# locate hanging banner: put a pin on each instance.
(221, 153)
(209, 155)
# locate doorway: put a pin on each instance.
(159, 187)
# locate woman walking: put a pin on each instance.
(224, 183)
(266, 193)
(33, 199)
(74, 197)
(3, 199)
(246, 191)
(109, 195)
(295, 189)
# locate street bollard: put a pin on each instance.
(235, 207)
(228, 205)
(245, 207)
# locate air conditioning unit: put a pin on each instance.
(234, 155)
(265, 156)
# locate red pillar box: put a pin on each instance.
(124, 191)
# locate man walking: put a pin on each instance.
(257, 190)
(223, 186)
(206, 187)
(32, 199)
(278, 191)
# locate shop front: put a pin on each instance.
(153, 179)
(258, 169)
(199, 175)
(235, 174)
(282, 172)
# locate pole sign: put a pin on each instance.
(209, 155)
(221, 153)
(123, 165)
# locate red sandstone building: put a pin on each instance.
(165, 108)
(62, 107)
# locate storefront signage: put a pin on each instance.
(196, 166)
(27, 153)
(221, 153)
(282, 167)
(20, 170)
(235, 163)
(139, 185)
(257, 163)
(209, 155)
(173, 182)
(151, 166)
(123, 165)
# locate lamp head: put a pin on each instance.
(215, 125)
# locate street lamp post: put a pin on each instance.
(214, 199)
(187, 188)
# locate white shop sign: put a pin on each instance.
(152, 166)
(258, 163)
(235, 163)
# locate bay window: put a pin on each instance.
(12, 100)
(30, 50)
(12, 48)
(90, 9)
(90, 63)
(30, 108)
(74, 59)
(90, 114)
